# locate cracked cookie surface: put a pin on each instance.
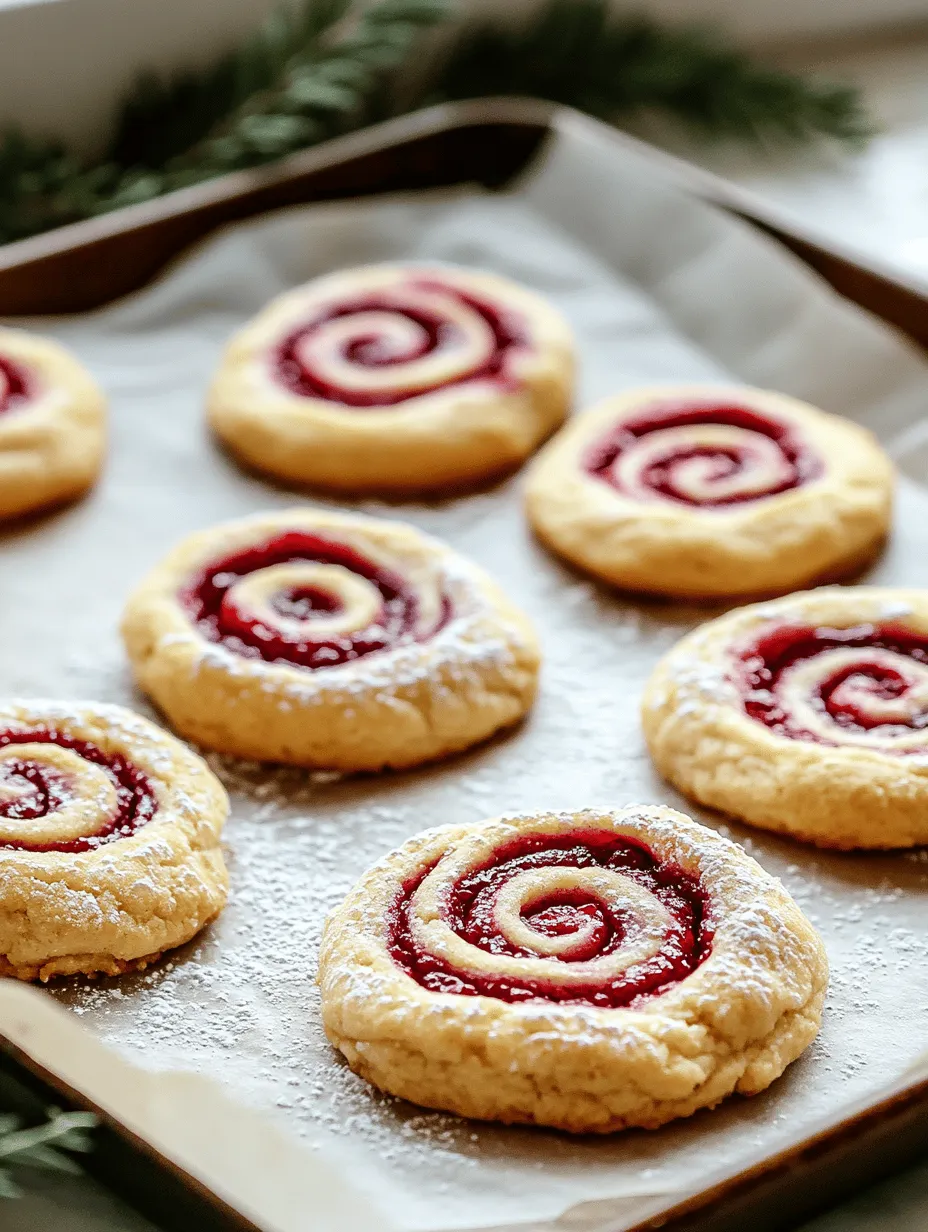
(702, 491)
(395, 379)
(587, 971)
(807, 715)
(109, 840)
(329, 640)
(52, 424)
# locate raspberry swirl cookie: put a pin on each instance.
(707, 491)
(109, 841)
(52, 424)
(808, 715)
(588, 971)
(395, 379)
(329, 640)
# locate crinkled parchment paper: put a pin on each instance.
(658, 287)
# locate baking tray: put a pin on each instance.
(177, 1146)
(485, 141)
(342, 825)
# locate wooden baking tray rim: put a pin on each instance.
(900, 1119)
(503, 111)
(377, 137)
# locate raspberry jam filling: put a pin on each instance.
(213, 610)
(40, 790)
(858, 694)
(469, 911)
(14, 387)
(760, 456)
(432, 333)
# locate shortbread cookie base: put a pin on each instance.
(451, 439)
(826, 529)
(702, 742)
(111, 907)
(52, 449)
(397, 708)
(732, 1025)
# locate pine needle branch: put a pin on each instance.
(297, 81)
(47, 1146)
(320, 69)
(161, 120)
(35, 178)
(320, 90)
(580, 53)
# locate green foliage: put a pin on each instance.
(36, 178)
(320, 69)
(162, 119)
(43, 1146)
(308, 74)
(294, 84)
(581, 53)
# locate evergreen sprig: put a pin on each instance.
(321, 68)
(307, 74)
(47, 1146)
(163, 119)
(292, 85)
(581, 53)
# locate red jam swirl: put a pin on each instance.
(43, 790)
(213, 610)
(14, 386)
(661, 470)
(435, 333)
(763, 665)
(469, 911)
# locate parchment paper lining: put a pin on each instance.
(255, 1166)
(659, 287)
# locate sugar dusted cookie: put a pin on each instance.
(704, 491)
(330, 640)
(588, 971)
(395, 379)
(808, 715)
(52, 424)
(109, 841)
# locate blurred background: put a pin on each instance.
(66, 62)
(65, 65)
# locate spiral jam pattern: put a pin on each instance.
(311, 602)
(62, 794)
(400, 342)
(584, 918)
(866, 685)
(14, 387)
(706, 456)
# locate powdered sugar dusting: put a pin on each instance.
(895, 609)
(697, 681)
(239, 1003)
(476, 638)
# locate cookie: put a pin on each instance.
(703, 491)
(329, 640)
(587, 971)
(808, 715)
(109, 841)
(395, 379)
(52, 424)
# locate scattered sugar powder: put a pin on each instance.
(700, 680)
(895, 609)
(240, 1002)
